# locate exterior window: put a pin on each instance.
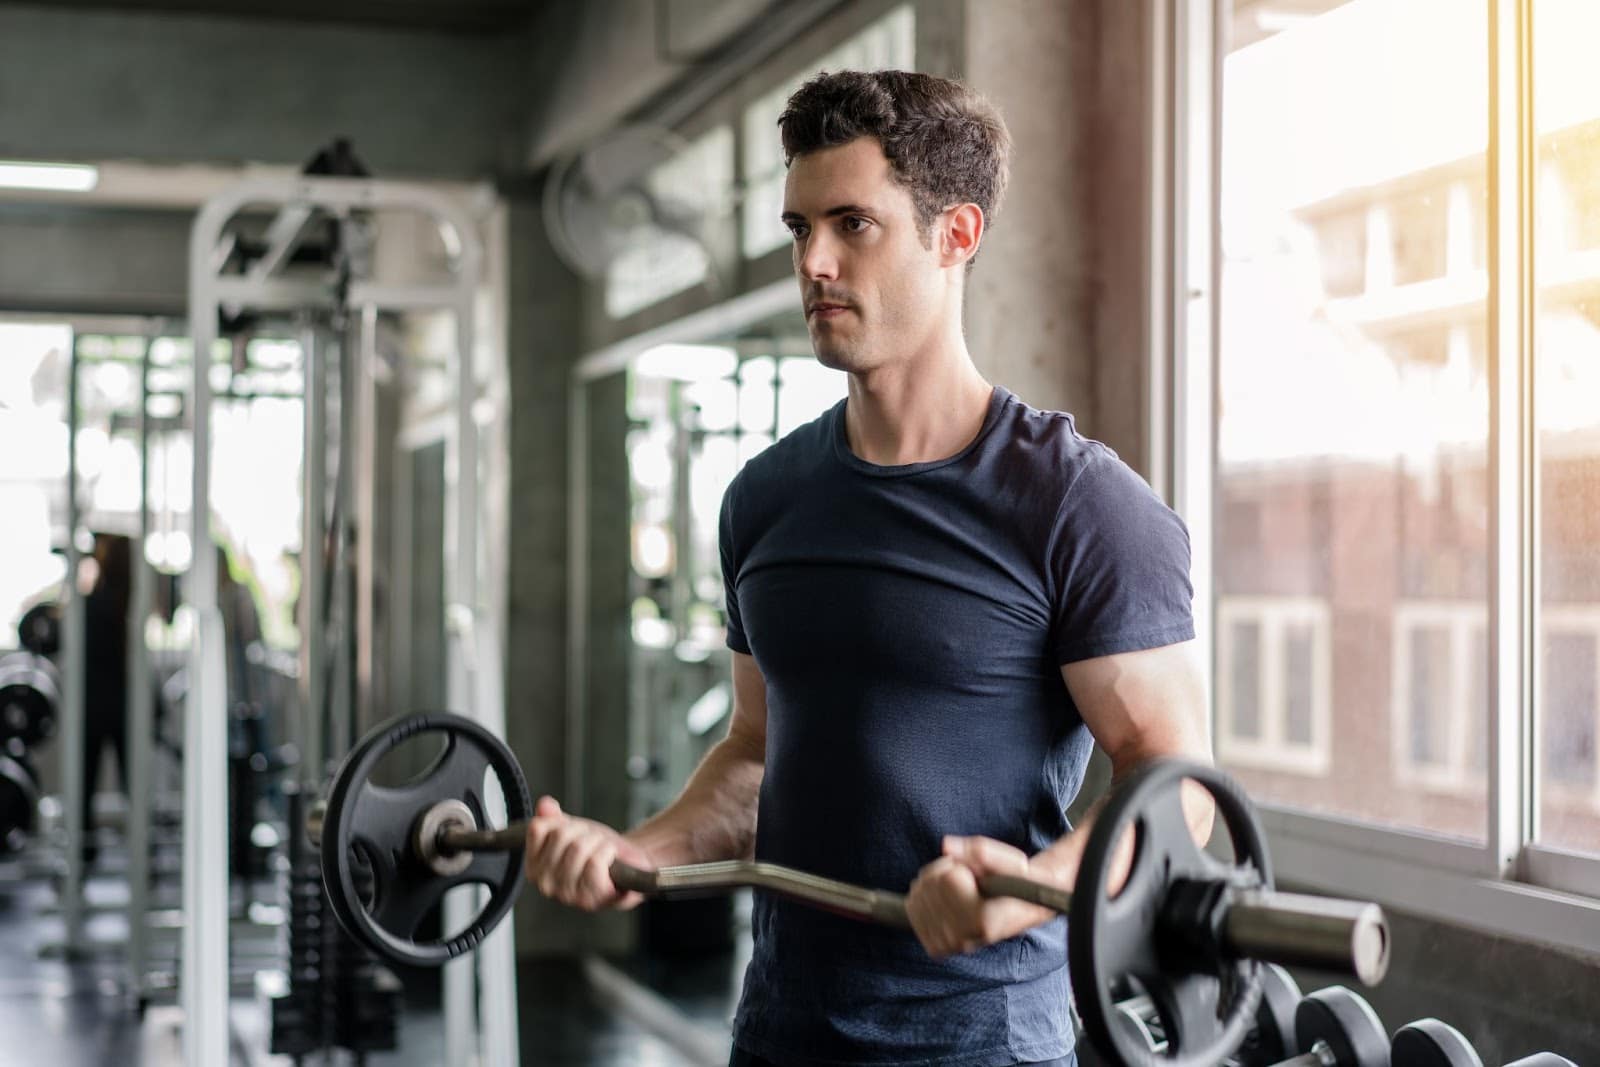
(1569, 720)
(1353, 414)
(1273, 684)
(1439, 704)
(1566, 358)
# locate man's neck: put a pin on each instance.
(916, 412)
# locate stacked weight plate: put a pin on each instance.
(300, 1019)
(365, 999)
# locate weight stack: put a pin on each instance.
(301, 1023)
(363, 996)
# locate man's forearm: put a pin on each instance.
(714, 818)
(1060, 861)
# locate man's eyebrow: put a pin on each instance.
(831, 213)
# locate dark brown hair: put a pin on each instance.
(945, 143)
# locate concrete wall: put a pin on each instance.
(545, 319)
(87, 259)
(94, 85)
(542, 341)
(592, 63)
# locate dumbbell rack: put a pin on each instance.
(1332, 1027)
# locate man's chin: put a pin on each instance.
(832, 357)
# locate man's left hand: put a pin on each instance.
(948, 912)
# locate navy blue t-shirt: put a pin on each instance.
(911, 623)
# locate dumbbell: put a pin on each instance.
(1332, 1027)
(29, 697)
(19, 797)
(39, 629)
(1431, 1043)
(1335, 1027)
(1270, 1041)
(1273, 1038)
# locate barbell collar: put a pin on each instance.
(1297, 930)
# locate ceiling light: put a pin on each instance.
(687, 363)
(64, 177)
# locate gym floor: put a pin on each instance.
(75, 1013)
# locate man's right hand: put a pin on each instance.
(568, 859)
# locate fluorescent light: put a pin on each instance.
(64, 177)
(1270, 21)
(687, 363)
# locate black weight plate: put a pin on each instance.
(1205, 1014)
(1431, 1043)
(378, 821)
(39, 629)
(1346, 1023)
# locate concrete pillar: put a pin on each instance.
(1056, 303)
(544, 330)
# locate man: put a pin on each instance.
(938, 599)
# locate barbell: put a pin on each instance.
(1189, 926)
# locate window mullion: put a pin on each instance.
(1512, 594)
(1195, 112)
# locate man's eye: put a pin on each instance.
(855, 223)
(797, 232)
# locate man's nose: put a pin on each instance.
(816, 261)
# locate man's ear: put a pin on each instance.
(960, 231)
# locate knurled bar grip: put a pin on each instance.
(692, 879)
(1289, 928)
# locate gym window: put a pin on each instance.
(887, 44)
(669, 253)
(1385, 320)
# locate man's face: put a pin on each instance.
(870, 288)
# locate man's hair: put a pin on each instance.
(945, 143)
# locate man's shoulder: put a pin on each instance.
(1047, 441)
(796, 455)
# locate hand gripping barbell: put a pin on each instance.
(1190, 927)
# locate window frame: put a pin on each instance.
(1510, 883)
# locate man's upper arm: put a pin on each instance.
(748, 726)
(1139, 705)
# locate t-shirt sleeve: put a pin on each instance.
(1121, 566)
(730, 574)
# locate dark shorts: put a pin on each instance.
(741, 1058)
